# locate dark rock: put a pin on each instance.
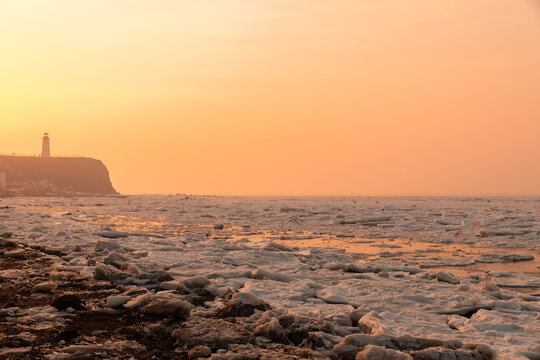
(228, 295)
(372, 352)
(136, 291)
(473, 352)
(53, 251)
(67, 335)
(418, 348)
(66, 301)
(151, 272)
(179, 309)
(215, 333)
(199, 351)
(272, 330)
(298, 328)
(356, 315)
(106, 245)
(108, 272)
(115, 259)
(16, 254)
(160, 275)
(6, 235)
(320, 340)
(271, 351)
(242, 304)
(195, 282)
(7, 243)
(199, 300)
(99, 285)
(198, 290)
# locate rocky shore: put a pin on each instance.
(220, 278)
(50, 311)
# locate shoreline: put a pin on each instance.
(215, 286)
(69, 316)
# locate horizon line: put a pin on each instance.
(342, 195)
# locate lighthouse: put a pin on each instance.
(45, 148)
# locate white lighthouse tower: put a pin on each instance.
(45, 148)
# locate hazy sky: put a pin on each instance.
(308, 97)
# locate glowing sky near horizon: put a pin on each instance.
(307, 97)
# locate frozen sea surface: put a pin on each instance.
(444, 268)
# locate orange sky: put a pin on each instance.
(307, 97)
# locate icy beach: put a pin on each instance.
(267, 278)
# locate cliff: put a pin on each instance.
(54, 176)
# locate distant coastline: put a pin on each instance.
(32, 175)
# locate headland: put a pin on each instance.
(53, 176)
(45, 175)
